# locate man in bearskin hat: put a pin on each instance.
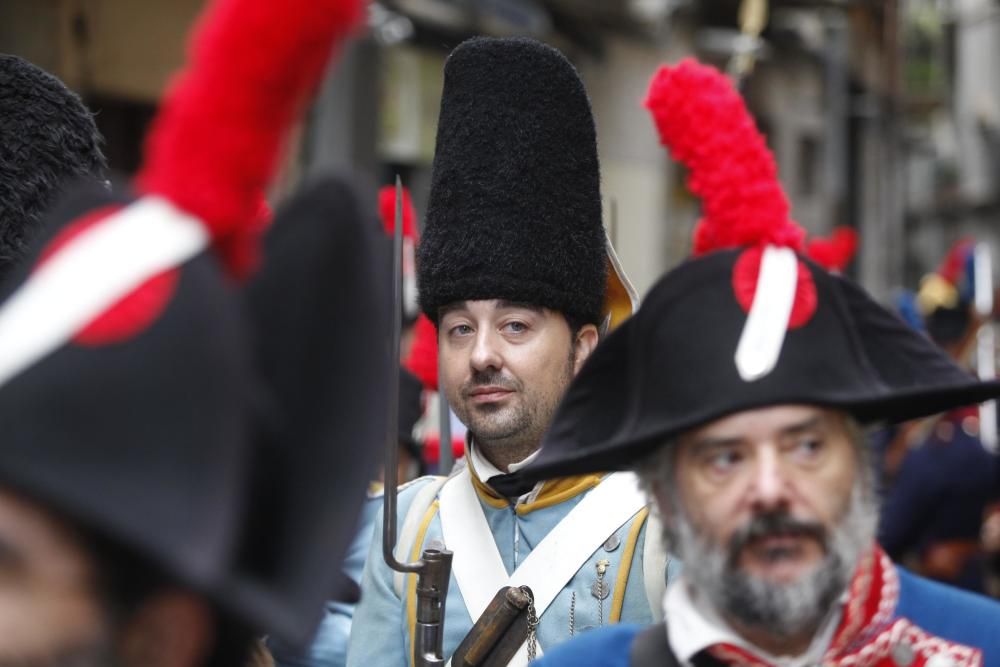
(172, 480)
(47, 140)
(739, 391)
(514, 269)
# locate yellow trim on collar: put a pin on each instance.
(411, 589)
(559, 490)
(487, 494)
(626, 565)
(552, 493)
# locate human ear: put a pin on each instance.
(583, 345)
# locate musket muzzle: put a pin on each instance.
(432, 590)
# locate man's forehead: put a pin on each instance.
(762, 422)
(485, 306)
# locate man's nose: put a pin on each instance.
(485, 354)
(769, 486)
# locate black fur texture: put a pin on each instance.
(47, 139)
(515, 203)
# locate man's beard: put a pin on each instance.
(783, 610)
(489, 423)
(519, 425)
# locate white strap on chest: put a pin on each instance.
(478, 566)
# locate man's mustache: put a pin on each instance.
(774, 524)
(488, 379)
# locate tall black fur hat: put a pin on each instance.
(47, 138)
(515, 203)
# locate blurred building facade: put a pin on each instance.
(883, 115)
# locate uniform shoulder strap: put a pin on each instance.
(411, 524)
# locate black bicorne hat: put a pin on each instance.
(750, 323)
(47, 141)
(672, 367)
(515, 203)
(226, 435)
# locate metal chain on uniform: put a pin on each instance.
(600, 589)
(572, 614)
(532, 640)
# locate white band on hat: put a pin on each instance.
(767, 322)
(98, 268)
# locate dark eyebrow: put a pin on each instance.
(811, 424)
(712, 443)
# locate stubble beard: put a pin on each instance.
(511, 431)
(783, 610)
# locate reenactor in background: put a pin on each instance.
(942, 478)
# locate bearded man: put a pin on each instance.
(738, 391)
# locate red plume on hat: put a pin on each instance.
(704, 122)
(212, 150)
(387, 211)
(835, 252)
(216, 142)
(423, 358)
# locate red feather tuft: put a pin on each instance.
(836, 252)
(387, 209)
(216, 142)
(702, 119)
(953, 264)
(423, 359)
